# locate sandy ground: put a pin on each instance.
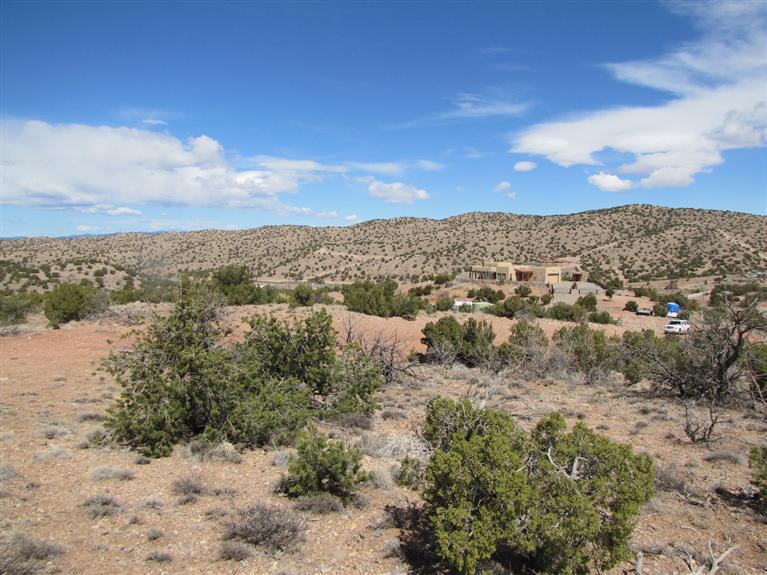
(49, 381)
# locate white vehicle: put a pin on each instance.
(677, 326)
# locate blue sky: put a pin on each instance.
(135, 116)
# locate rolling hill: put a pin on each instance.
(634, 242)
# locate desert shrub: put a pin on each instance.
(523, 291)
(305, 295)
(274, 529)
(236, 284)
(601, 317)
(588, 302)
(546, 298)
(323, 466)
(723, 293)
(356, 378)
(175, 379)
(756, 362)
(566, 312)
(411, 472)
(631, 306)
(15, 307)
(757, 460)
(585, 347)
(712, 362)
(67, 302)
(180, 382)
(442, 278)
(549, 502)
(304, 351)
(470, 343)
(381, 299)
(444, 303)
(509, 307)
(660, 309)
(487, 294)
(526, 341)
(623, 358)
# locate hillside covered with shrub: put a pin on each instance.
(632, 243)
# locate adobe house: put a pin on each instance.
(540, 272)
(509, 271)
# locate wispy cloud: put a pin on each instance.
(109, 210)
(396, 168)
(466, 152)
(147, 116)
(429, 165)
(468, 106)
(717, 88)
(385, 168)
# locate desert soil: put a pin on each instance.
(50, 380)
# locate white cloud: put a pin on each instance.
(352, 218)
(87, 229)
(718, 103)
(103, 169)
(502, 187)
(610, 182)
(154, 122)
(396, 192)
(525, 166)
(472, 106)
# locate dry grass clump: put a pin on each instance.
(90, 416)
(394, 446)
(23, 555)
(154, 502)
(202, 450)
(8, 473)
(234, 551)
(53, 453)
(321, 504)
(189, 486)
(273, 528)
(727, 456)
(154, 534)
(54, 431)
(102, 506)
(159, 557)
(107, 472)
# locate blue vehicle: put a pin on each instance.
(673, 309)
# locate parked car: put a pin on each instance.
(645, 311)
(677, 326)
